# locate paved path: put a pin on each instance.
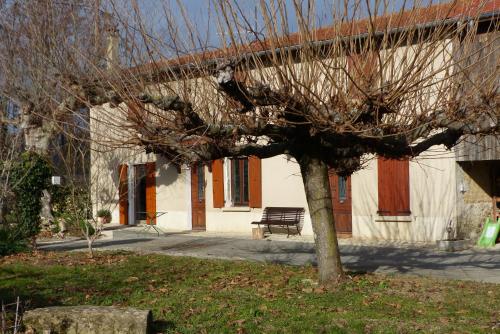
(473, 264)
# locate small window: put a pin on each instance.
(342, 188)
(201, 182)
(239, 181)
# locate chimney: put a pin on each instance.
(111, 41)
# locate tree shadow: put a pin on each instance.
(161, 326)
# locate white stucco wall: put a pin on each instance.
(432, 201)
(432, 183)
(171, 191)
(281, 186)
(432, 195)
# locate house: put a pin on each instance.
(440, 193)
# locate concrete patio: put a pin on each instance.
(357, 255)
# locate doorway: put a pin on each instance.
(342, 204)
(198, 197)
(137, 192)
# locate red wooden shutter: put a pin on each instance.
(151, 188)
(123, 193)
(218, 183)
(255, 182)
(393, 187)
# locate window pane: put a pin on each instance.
(245, 180)
(239, 181)
(236, 181)
(342, 188)
(201, 182)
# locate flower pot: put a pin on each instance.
(103, 220)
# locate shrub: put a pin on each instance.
(29, 177)
(71, 204)
(11, 241)
(86, 226)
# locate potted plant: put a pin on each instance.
(104, 216)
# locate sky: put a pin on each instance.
(201, 14)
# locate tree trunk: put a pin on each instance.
(36, 130)
(319, 199)
(90, 248)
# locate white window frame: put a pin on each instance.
(228, 198)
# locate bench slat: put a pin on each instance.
(282, 216)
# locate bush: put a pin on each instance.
(29, 177)
(71, 204)
(11, 241)
(86, 226)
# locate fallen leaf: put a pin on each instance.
(132, 279)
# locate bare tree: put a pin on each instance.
(10, 146)
(82, 191)
(379, 80)
(47, 47)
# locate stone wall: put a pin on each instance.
(474, 191)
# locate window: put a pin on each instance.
(239, 181)
(200, 171)
(342, 188)
(393, 187)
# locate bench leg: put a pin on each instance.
(298, 231)
(288, 230)
(269, 228)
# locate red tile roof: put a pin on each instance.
(405, 19)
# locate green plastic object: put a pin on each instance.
(490, 233)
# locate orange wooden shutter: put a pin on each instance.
(218, 183)
(393, 187)
(123, 193)
(151, 188)
(255, 182)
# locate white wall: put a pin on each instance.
(281, 186)
(171, 191)
(432, 196)
(432, 201)
(172, 196)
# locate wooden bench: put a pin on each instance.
(281, 216)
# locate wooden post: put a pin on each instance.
(258, 233)
(4, 328)
(17, 315)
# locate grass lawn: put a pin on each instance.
(190, 295)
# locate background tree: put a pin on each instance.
(47, 48)
(10, 148)
(383, 79)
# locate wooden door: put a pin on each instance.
(342, 203)
(198, 196)
(150, 192)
